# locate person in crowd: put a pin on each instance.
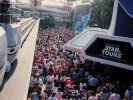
(36, 95)
(98, 96)
(84, 98)
(82, 84)
(73, 97)
(44, 95)
(93, 82)
(48, 88)
(55, 87)
(115, 95)
(53, 97)
(93, 97)
(128, 92)
(59, 94)
(38, 79)
(61, 74)
(104, 94)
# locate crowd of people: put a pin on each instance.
(61, 74)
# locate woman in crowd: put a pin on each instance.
(62, 74)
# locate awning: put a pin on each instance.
(94, 44)
(78, 42)
(127, 5)
(111, 50)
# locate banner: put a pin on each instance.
(81, 22)
(112, 50)
(85, 20)
(35, 2)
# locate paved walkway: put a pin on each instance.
(16, 82)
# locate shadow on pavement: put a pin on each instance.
(8, 75)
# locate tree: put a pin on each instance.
(48, 21)
(101, 13)
(70, 22)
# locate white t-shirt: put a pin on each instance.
(49, 78)
(115, 96)
(38, 81)
(62, 78)
(55, 89)
(56, 78)
(81, 85)
(59, 95)
(92, 98)
(52, 98)
(128, 95)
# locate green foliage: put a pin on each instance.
(70, 22)
(71, 14)
(22, 12)
(46, 22)
(101, 13)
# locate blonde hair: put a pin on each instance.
(98, 96)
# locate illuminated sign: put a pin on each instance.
(111, 50)
(116, 51)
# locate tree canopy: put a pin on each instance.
(48, 21)
(101, 13)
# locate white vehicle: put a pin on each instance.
(27, 14)
(36, 15)
(3, 53)
(10, 39)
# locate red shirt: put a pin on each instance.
(55, 71)
(69, 82)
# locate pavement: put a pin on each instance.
(25, 19)
(16, 82)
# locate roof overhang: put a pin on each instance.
(79, 41)
(111, 50)
(92, 43)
